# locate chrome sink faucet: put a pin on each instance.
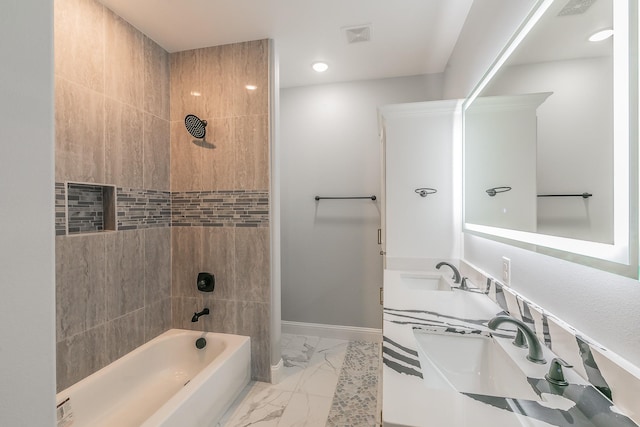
(456, 273)
(535, 349)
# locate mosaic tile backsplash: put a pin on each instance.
(139, 209)
(613, 376)
(85, 208)
(238, 208)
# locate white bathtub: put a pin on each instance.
(166, 382)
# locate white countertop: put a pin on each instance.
(409, 401)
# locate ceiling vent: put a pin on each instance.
(576, 7)
(361, 33)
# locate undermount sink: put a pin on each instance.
(425, 282)
(470, 363)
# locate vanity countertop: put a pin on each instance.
(408, 401)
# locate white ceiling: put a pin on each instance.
(409, 37)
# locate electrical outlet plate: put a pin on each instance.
(506, 270)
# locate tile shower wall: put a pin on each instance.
(219, 189)
(113, 289)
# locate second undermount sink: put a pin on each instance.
(470, 363)
(425, 281)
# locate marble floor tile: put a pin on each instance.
(321, 375)
(262, 406)
(306, 410)
(325, 382)
(296, 353)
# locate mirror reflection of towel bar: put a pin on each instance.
(495, 190)
(583, 195)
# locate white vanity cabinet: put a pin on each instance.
(419, 141)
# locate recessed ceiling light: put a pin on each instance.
(195, 93)
(251, 87)
(601, 35)
(320, 67)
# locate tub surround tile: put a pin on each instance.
(79, 118)
(182, 309)
(124, 61)
(186, 159)
(156, 80)
(252, 264)
(80, 355)
(157, 265)
(156, 153)
(251, 67)
(124, 334)
(185, 84)
(125, 279)
(80, 284)
(216, 80)
(157, 318)
(79, 42)
(252, 319)
(223, 315)
(219, 155)
(217, 257)
(123, 144)
(186, 253)
(252, 152)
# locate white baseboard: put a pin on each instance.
(276, 372)
(351, 333)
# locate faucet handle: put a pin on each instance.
(520, 340)
(555, 375)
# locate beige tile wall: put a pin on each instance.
(113, 290)
(120, 105)
(233, 156)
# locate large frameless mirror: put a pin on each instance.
(550, 137)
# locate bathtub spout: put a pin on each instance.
(196, 316)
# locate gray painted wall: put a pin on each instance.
(331, 267)
(27, 286)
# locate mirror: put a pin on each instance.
(549, 160)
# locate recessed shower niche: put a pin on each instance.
(91, 208)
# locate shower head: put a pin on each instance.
(196, 127)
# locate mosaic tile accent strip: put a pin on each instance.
(61, 214)
(85, 208)
(233, 208)
(355, 400)
(138, 209)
